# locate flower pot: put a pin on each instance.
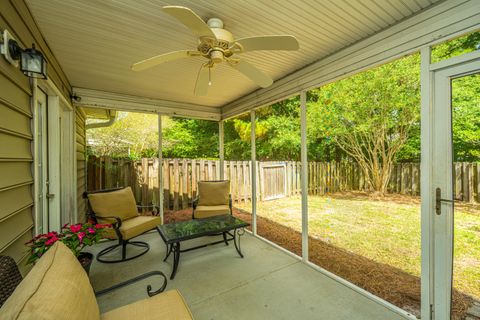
(85, 259)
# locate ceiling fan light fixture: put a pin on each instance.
(216, 56)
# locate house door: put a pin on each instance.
(448, 247)
(54, 168)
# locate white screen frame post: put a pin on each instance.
(304, 173)
(426, 138)
(160, 167)
(221, 149)
(253, 170)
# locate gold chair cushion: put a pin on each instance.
(210, 211)
(136, 226)
(120, 203)
(167, 305)
(213, 193)
(57, 287)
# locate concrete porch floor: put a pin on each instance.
(217, 284)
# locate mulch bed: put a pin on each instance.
(389, 283)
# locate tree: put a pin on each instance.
(190, 138)
(132, 135)
(465, 99)
(370, 115)
(466, 118)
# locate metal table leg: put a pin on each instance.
(225, 238)
(169, 250)
(237, 243)
(176, 258)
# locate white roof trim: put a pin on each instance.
(116, 101)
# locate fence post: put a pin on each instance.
(108, 173)
(184, 174)
(166, 184)
(477, 165)
(176, 185)
(415, 179)
(144, 183)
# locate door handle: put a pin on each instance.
(439, 200)
(50, 195)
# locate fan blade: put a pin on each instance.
(201, 86)
(191, 20)
(284, 42)
(249, 70)
(153, 61)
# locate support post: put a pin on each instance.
(221, 149)
(253, 168)
(426, 133)
(304, 173)
(160, 167)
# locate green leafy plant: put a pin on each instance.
(75, 237)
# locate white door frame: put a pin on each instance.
(39, 104)
(60, 206)
(436, 171)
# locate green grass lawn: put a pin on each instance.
(385, 230)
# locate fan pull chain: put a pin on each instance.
(209, 76)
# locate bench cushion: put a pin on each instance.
(120, 203)
(56, 286)
(168, 305)
(210, 211)
(213, 193)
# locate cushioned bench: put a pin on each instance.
(57, 287)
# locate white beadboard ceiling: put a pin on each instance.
(96, 41)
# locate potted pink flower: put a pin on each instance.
(76, 237)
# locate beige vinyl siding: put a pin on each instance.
(81, 163)
(16, 181)
(16, 158)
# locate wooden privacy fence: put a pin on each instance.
(275, 179)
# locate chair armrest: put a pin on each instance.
(116, 225)
(155, 209)
(136, 279)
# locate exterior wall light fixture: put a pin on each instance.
(32, 61)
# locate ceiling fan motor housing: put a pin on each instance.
(216, 49)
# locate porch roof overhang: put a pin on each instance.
(96, 46)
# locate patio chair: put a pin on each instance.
(213, 199)
(10, 277)
(118, 207)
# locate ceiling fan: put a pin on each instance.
(217, 45)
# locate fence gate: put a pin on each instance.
(274, 180)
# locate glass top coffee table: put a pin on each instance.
(174, 233)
